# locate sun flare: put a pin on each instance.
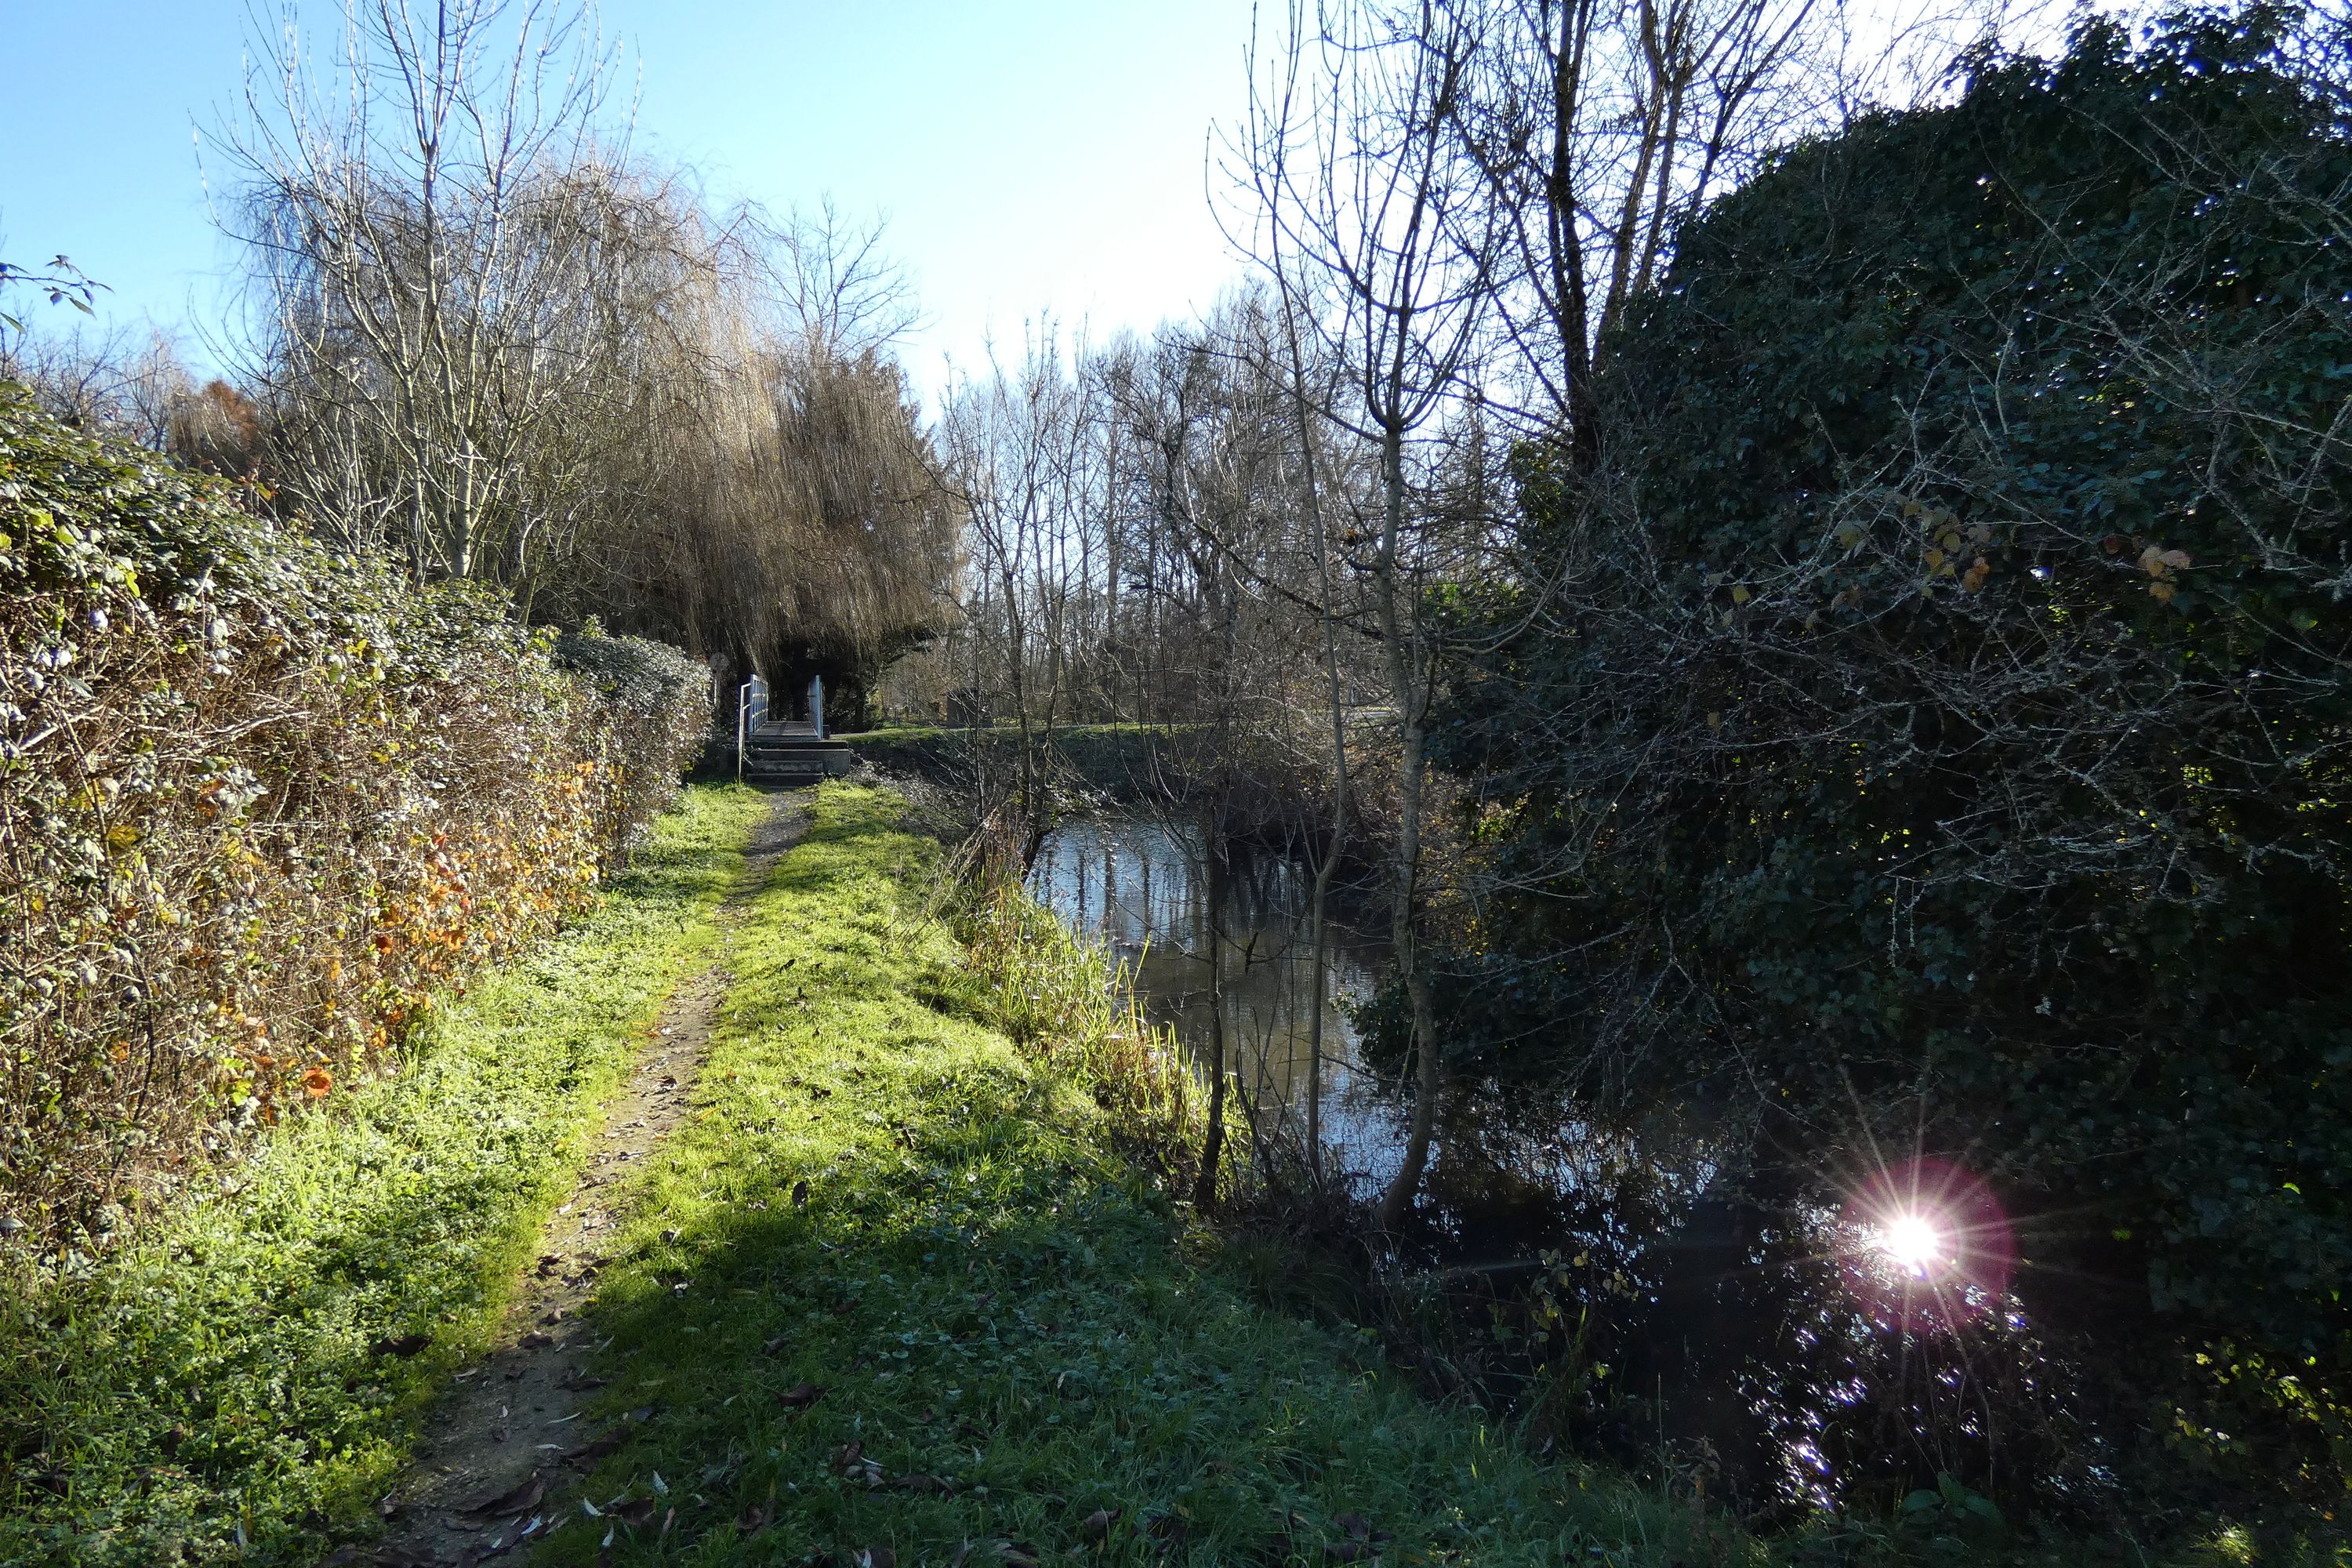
(1915, 1242)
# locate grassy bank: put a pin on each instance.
(896, 1288)
(246, 1381)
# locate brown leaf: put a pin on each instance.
(534, 1341)
(874, 1557)
(595, 1449)
(800, 1396)
(1097, 1525)
(519, 1499)
(778, 1343)
(800, 1193)
(754, 1518)
(1354, 1525)
(635, 1510)
(1017, 1554)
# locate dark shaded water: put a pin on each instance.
(1774, 1349)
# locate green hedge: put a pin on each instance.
(257, 801)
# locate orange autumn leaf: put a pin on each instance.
(316, 1082)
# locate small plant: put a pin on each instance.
(1954, 1513)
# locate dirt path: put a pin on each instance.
(492, 1460)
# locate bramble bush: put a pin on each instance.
(257, 801)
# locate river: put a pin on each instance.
(1788, 1356)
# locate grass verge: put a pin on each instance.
(897, 1294)
(232, 1388)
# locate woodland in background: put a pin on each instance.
(480, 338)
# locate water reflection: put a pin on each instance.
(1742, 1322)
(1137, 884)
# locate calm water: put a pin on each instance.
(1783, 1350)
(1137, 884)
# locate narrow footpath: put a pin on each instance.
(894, 1290)
(478, 1489)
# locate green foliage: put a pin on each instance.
(654, 708)
(257, 801)
(885, 1197)
(1940, 739)
(209, 1394)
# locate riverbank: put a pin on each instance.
(898, 1279)
(897, 1294)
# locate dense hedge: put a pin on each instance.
(257, 802)
(1937, 735)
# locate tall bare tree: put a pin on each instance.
(1370, 217)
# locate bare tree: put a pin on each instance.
(423, 254)
(1369, 215)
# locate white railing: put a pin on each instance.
(751, 712)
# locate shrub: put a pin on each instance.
(655, 707)
(257, 801)
(1939, 731)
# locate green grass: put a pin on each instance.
(993, 1301)
(211, 1397)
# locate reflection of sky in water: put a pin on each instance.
(1137, 884)
(1755, 1320)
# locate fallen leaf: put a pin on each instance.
(595, 1449)
(1097, 1525)
(800, 1193)
(875, 1557)
(755, 1518)
(800, 1396)
(519, 1499)
(1354, 1525)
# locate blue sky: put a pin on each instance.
(1032, 155)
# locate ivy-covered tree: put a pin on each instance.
(1930, 730)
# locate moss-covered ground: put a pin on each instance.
(234, 1388)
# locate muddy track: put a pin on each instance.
(507, 1441)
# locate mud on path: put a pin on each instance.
(504, 1446)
